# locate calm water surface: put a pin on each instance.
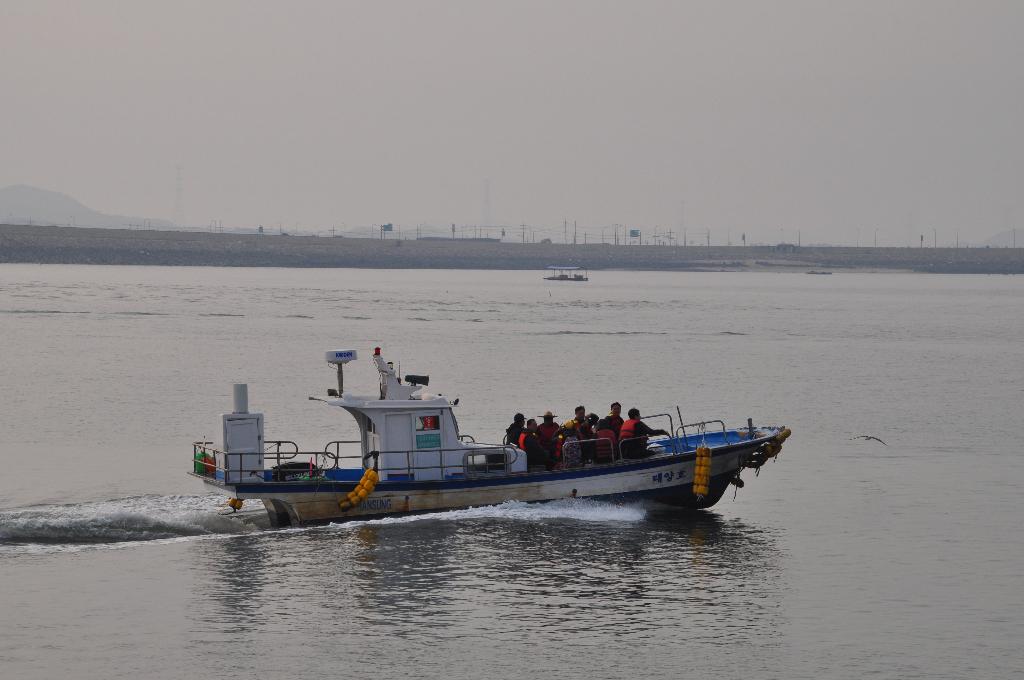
(842, 559)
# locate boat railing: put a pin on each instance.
(700, 428)
(332, 450)
(671, 428)
(487, 459)
(598, 448)
(207, 461)
(282, 451)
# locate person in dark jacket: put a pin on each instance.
(535, 453)
(585, 428)
(633, 436)
(615, 418)
(513, 431)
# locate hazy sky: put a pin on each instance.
(761, 116)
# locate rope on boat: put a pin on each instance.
(770, 449)
(702, 471)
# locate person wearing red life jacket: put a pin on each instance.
(546, 432)
(607, 442)
(633, 436)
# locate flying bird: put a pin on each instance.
(867, 437)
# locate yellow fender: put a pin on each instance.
(702, 471)
(363, 489)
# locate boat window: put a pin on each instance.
(486, 463)
(428, 423)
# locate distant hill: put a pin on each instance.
(21, 204)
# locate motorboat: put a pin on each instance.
(411, 457)
(562, 273)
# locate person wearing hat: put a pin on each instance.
(546, 432)
(633, 436)
(513, 431)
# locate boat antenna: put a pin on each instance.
(339, 358)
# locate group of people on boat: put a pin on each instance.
(583, 439)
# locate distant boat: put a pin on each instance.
(820, 273)
(566, 274)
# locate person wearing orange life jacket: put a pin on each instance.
(528, 442)
(546, 432)
(633, 436)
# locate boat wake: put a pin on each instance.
(55, 528)
(124, 522)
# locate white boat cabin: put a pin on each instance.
(415, 433)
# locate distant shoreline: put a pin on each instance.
(80, 245)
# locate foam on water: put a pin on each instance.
(124, 522)
(579, 509)
(115, 521)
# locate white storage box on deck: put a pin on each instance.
(243, 447)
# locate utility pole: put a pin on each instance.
(709, 238)
(574, 232)
(487, 202)
(179, 199)
(523, 225)
(565, 230)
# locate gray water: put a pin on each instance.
(845, 558)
